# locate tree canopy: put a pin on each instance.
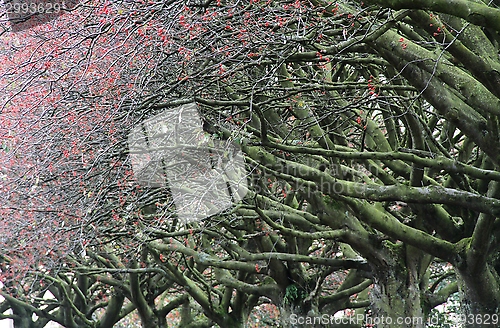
(369, 132)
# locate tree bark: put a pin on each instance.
(480, 297)
(396, 297)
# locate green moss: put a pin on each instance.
(332, 202)
(461, 248)
(396, 252)
(393, 248)
(463, 245)
(294, 294)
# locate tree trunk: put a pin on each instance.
(480, 298)
(396, 295)
(23, 317)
